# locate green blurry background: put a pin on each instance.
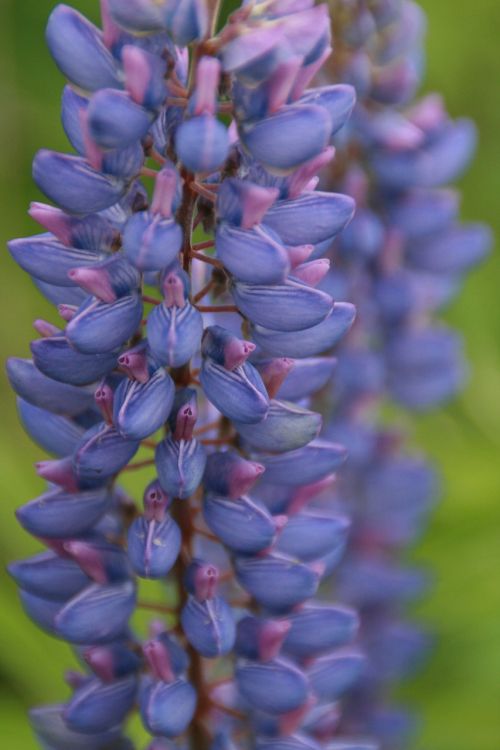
(458, 694)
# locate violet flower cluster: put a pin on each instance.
(203, 353)
(401, 261)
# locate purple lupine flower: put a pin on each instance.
(400, 261)
(223, 339)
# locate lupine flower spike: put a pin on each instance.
(203, 320)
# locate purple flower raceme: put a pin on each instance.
(199, 310)
(401, 260)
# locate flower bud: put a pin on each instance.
(180, 465)
(138, 15)
(99, 614)
(111, 661)
(49, 260)
(305, 465)
(290, 219)
(72, 183)
(174, 332)
(209, 626)
(239, 394)
(58, 514)
(242, 525)
(144, 77)
(167, 709)
(244, 204)
(97, 705)
(255, 256)
(202, 143)
(49, 576)
(310, 341)
(184, 413)
(78, 49)
(331, 676)
(315, 630)
(307, 377)
(139, 409)
(107, 280)
(275, 687)
(39, 390)
(54, 433)
(338, 100)
(230, 475)
(52, 731)
(201, 579)
(153, 546)
(260, 639)
(115, 120)
(292, 306)
(101, 453)
(186, 20)
(287, 427)
(276, 582)
(59, 361)
(98, 327)
(281, 143)
(101, 561)
(309, 536)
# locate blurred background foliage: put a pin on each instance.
(458, 692)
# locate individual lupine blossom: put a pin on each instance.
(401, 260)
(219, 350)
